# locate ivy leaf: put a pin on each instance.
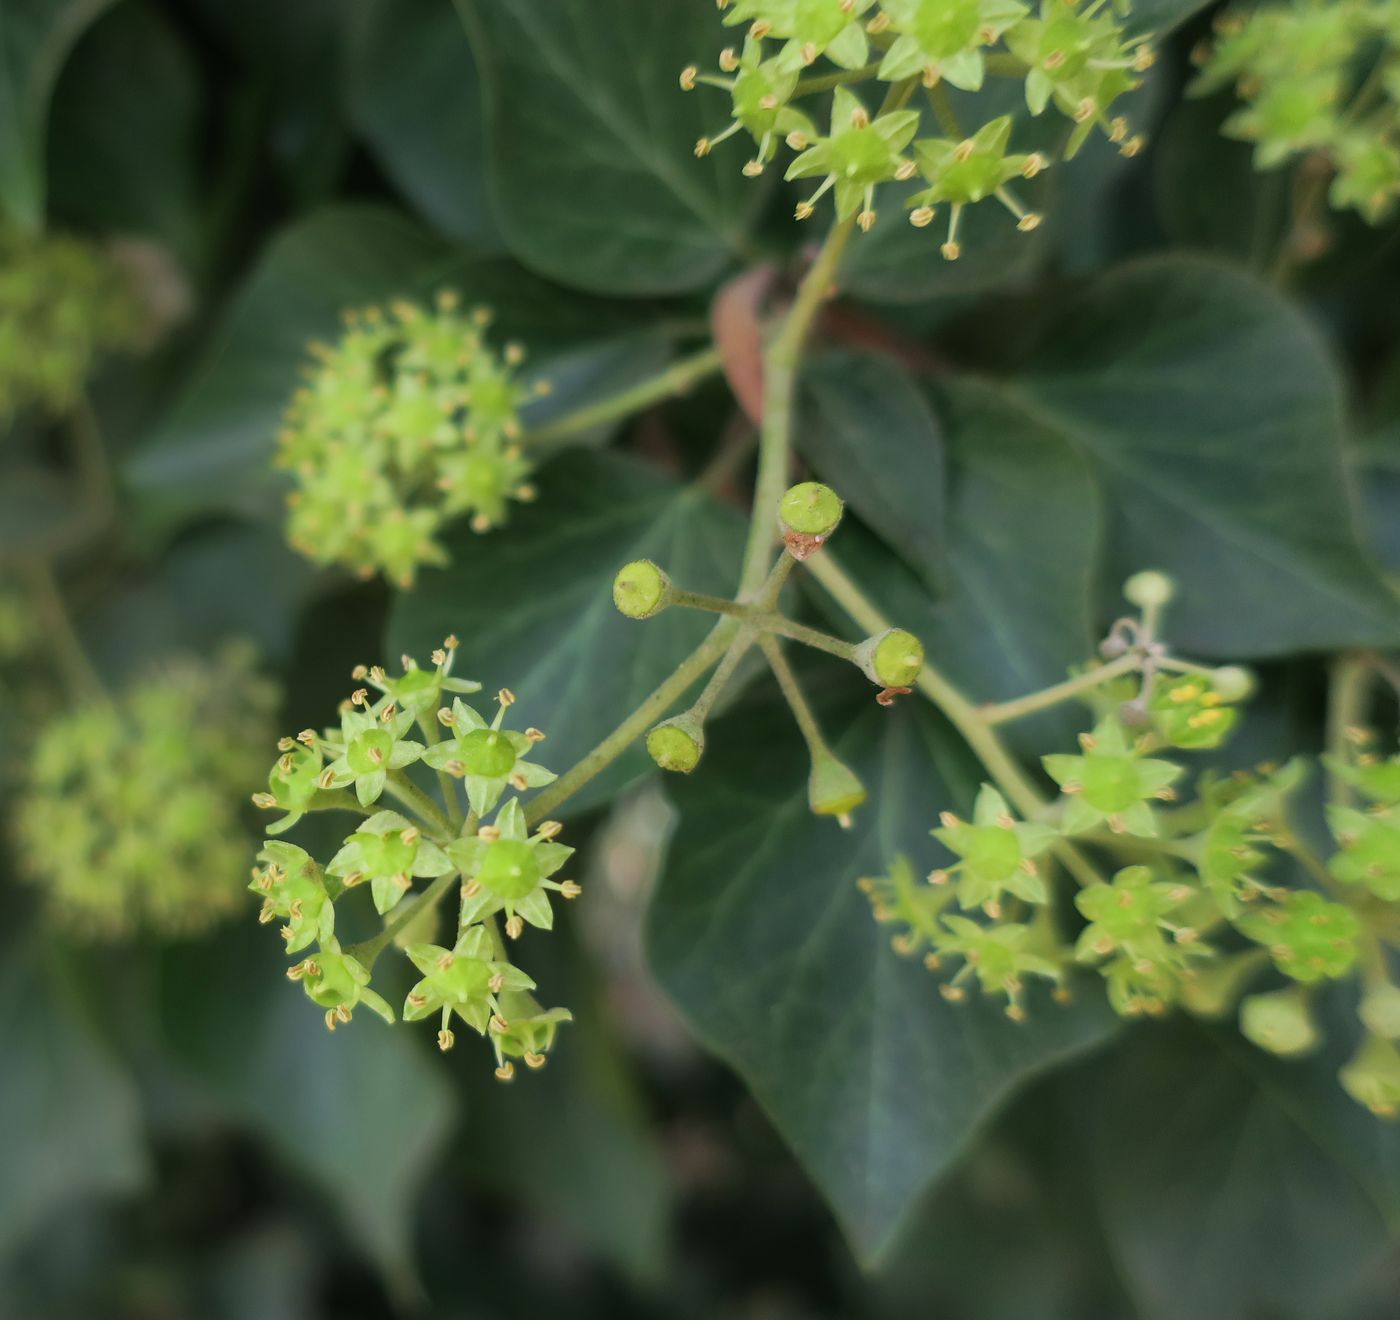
(1222, 1197)
(35, 39)
(70, 1124)
(532, 602)
(1214, 417)
(128, 164)
(591, 141)
(411, 91)
(760, 935)
(214, 448)
(1024, 535)
(359, 1112)
(871, 434)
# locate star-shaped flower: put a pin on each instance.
(293, 889)
(943, 39)
(507, 869)
(487, 757)
(371, 744)
(465, 980)
(997, 853)
(1111, 782)
(339, 983)
(390, 852)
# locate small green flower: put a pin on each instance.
(419, 691)
(1281, 1022)
(371, 744)
(1376, 779)
(859, 153)
(293, 782)
(1368, 175)
(1111, 783)
(465, 980)
(293, 889)
(833, 788)
(997, 853)
(1133, 916)
(1309, 937)
(810, 28)
(390, 852)
(760, 92)
(339, 983)
(1000, 956)
(529, 1032)
(962, 173)
(487, 757)
(943, 39)
(1245, 815)
(1188, 712)
(898, 898)
(1370, 849)
(507, 869)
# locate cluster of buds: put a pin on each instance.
(1167, 932)
(892, 660)
(1317, 77)
(128, 818)
(410, 421)
(409, 857)
(63, 303)
(1073, 55)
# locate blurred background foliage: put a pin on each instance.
(1149, 378)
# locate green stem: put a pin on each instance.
(825, 82)
(799, 632)
(1003, 711)
(793, 695)
(724, 671)
(943, 110)
(368, 950)
(960, 712)
(413, 797)
(447, 786)
(698, 600)
(1346, 711)
(678, 378)
(637, 723)
(780, 366)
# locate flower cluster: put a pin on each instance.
(410, 856)
(63, 303)
(892, 660)
(1317, 76)
(409, 421)
(127, 818)
(1072, 55)
(1215, 898)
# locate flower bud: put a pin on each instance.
(677, 744)
(1213, 990)
(1232, 683)
(833, 788)
(810, 509)
(1149, 590)
(891, 659)
(1372, 1078)
(641, 589)
(1281, 1022)
(1380, 1011)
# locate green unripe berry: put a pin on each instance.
(1149, 590)
(1281, 1022)
(1380, 1012)
(677, 744)
(1232, 683)
(833, 788)
(810, 509)
(891, 659)
(641, 589)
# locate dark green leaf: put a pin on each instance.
(360, 1112)
(760, 935)
(35, 39)
(532, 602)
(591, 141)
(871, 435)
(1215, 417)
(411, 91)
(127, 163)
(70, 1126)
(1220, 1198)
